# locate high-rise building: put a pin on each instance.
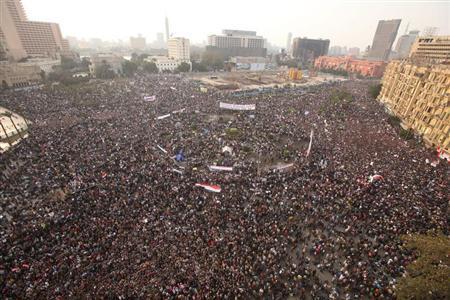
(307, 50)
(384, 39)
(337, 51)
(137, 43)
(431, 48)
(167, 29)
(353, 51)
(179, 49)
(288, 42)
(237, 43)
(159, 40)
(21, 38)
(405, 42)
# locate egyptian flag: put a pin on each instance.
(208, 187)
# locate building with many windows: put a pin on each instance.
(164, 63)
(405, 43)
(431, 48)
(22, 38)
(179, 49)
(307, 50)
(16, 75)
(366, 68)
(237, 43)
(419, 94)
(384, 39)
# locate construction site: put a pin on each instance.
(248, 80)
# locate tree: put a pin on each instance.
(199, 67)
(427, 277)
(213, 60)
(85, 63)
(42, 74)
(67, 63)
(150, 67)
(104, 71)
(4, 85)
(375, 90)
(129, 68)
(184, 67)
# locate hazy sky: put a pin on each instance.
(344, 22)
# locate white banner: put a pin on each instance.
(285, 166)
(220, 168)
(237, 106)
(163, 117)
(149, 98)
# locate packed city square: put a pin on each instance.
(147, 188)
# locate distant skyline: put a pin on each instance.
(345, 22)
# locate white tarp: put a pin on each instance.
(237, 106)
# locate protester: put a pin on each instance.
(91, 207)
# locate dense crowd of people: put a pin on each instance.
(90, 204)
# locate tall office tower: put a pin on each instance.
(405, 43)
(22, 38)
(167, 29)
(307, 50)
(288, 42)
(383, 39)
(159, 40)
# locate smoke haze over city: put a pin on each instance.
(350, 23)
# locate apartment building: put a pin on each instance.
(420, 96)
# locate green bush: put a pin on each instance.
(427, 277)
(341, 97)
(374, 90)
(406, 134)
(394, 121)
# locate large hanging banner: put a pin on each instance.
(237, 106)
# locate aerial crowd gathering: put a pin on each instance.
(147, 188)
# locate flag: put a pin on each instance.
(208, 187)
(161, 148)
(310, 143)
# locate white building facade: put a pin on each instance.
(179, 49)
(164, 63)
